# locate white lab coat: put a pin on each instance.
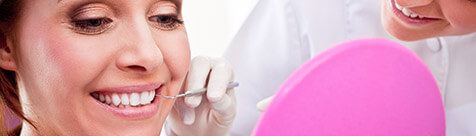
(279, 35)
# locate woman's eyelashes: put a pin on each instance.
(92, 26)
(93, 19)
(99, 25)
(166, 22)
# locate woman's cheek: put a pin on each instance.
(176, 53)
(77, 60)
(463, 24)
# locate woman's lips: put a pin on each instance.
(138, 102)
(410, 17)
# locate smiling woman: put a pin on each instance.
(94, 67)
(91, 64)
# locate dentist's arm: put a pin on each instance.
(210, 114)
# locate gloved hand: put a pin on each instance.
(263, 104)
(210, 114)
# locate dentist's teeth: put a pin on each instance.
(108, 99)
(413, 15)
(420, 16)
(144, 97)
(134, 100)
(101, 98)
(115, 99)
(125, 99)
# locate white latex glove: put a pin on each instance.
(263, 104)
(210, 114)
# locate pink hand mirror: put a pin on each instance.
(368, 87)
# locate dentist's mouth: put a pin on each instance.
(137, 102)
(409, 16)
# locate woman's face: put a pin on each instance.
(92, 67)
(419, 19)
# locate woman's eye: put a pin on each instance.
(166, 22)
(92, 26)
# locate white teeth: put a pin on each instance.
(115, 99)
(135, 99)
(101, 98)
(151, 95)
(144, 97)
(125, 99)
(398, 6)
(407, 12)
(108, 99)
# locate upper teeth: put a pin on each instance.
(407, 12)
(126, 99)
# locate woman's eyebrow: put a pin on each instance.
(178, 2)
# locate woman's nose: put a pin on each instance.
(413, 3)
(140, 53)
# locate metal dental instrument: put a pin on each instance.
(197, 91)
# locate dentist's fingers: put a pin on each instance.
(197, 78)
(263, 104)
(186, 113)
(188, 116)
(222, 100)
(224, 110)
(220, 76)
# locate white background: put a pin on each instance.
(211, 24)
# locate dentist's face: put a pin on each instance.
(419, 19)
(92, 67)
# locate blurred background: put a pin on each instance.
(211, 24)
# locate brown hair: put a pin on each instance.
(8, 87)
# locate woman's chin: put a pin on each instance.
(144, 128)
(400, 32)
(404, 37)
